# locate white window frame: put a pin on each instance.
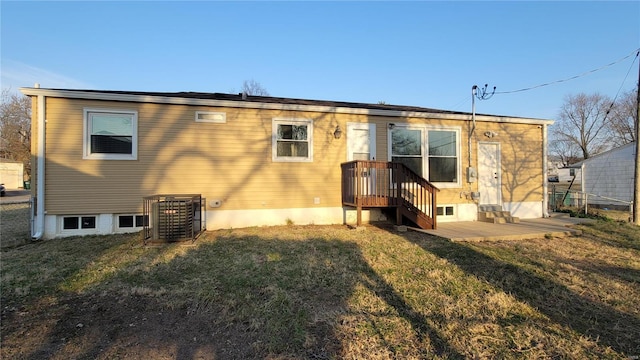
(219, 117)
(274, 139)
(86, 138)
(124, 229)
(79, 230)
(444, 210)
(425, 150)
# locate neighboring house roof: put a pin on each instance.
(269, 102)
(606, 153)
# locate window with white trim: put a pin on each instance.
(446, 210)
(432, 153)
(292, 140)
(78, 222)
(132, 221)
(110, 134)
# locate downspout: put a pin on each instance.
(545, 170)
(39, 217)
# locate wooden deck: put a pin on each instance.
(380, 184)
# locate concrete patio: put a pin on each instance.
(558, 225)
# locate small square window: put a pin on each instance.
(88, 222)
(70, 223)
(444, 211)
(125, 221)
(142, 220)
(292, 140)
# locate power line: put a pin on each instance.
(636, 52)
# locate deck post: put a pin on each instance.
(434, 208)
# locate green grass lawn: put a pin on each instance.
(298, 292)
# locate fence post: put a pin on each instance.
(586, 203)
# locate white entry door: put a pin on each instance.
(361, 145)
(361, 141)
(489, 183)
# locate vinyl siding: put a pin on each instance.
(233, 161)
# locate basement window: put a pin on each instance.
(211, 117)
(132, 221)
(445, 210)
(78, 222)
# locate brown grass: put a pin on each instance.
(325, 292)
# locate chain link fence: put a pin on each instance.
(562, 198)
(15, 223)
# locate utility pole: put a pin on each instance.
(636, 181)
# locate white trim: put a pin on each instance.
(274, 139)
(462, 212)
(545, 172)
(86, 135)
(79, 230)
(219, 117)
(499, 170)
(525, 209)
(38, 221)
(227, 219)
(424, 128)
(79, 94)
(119, 230)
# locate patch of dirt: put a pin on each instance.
(110, 327)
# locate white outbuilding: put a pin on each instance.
(608, 177)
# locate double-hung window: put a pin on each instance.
(292, 140)
(432, 153)
(443, 159)
(110, 134)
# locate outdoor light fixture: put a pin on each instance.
(490, 134)
(337, 133)
(391, 126)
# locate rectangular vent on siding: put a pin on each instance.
(211, 117)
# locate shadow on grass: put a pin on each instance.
(617, 234)
(598, 321)
(232, 297)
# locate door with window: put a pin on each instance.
(361, 141)
(361, 145)
(489, 182)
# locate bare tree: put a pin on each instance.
(15, 128)
(582, 123)
(252, 87)
(622, 118)
(566, 152)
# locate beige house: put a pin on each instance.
(269, 161)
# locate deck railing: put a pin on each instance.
(368, 184)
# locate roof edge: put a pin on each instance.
(346, 108)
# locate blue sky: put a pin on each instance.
(407, 53)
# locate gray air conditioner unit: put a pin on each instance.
(173, 217)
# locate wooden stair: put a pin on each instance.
(415, 215)
(392, 185)
(494, 214)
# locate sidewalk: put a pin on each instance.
(558, 225)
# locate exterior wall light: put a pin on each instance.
(337, 133)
